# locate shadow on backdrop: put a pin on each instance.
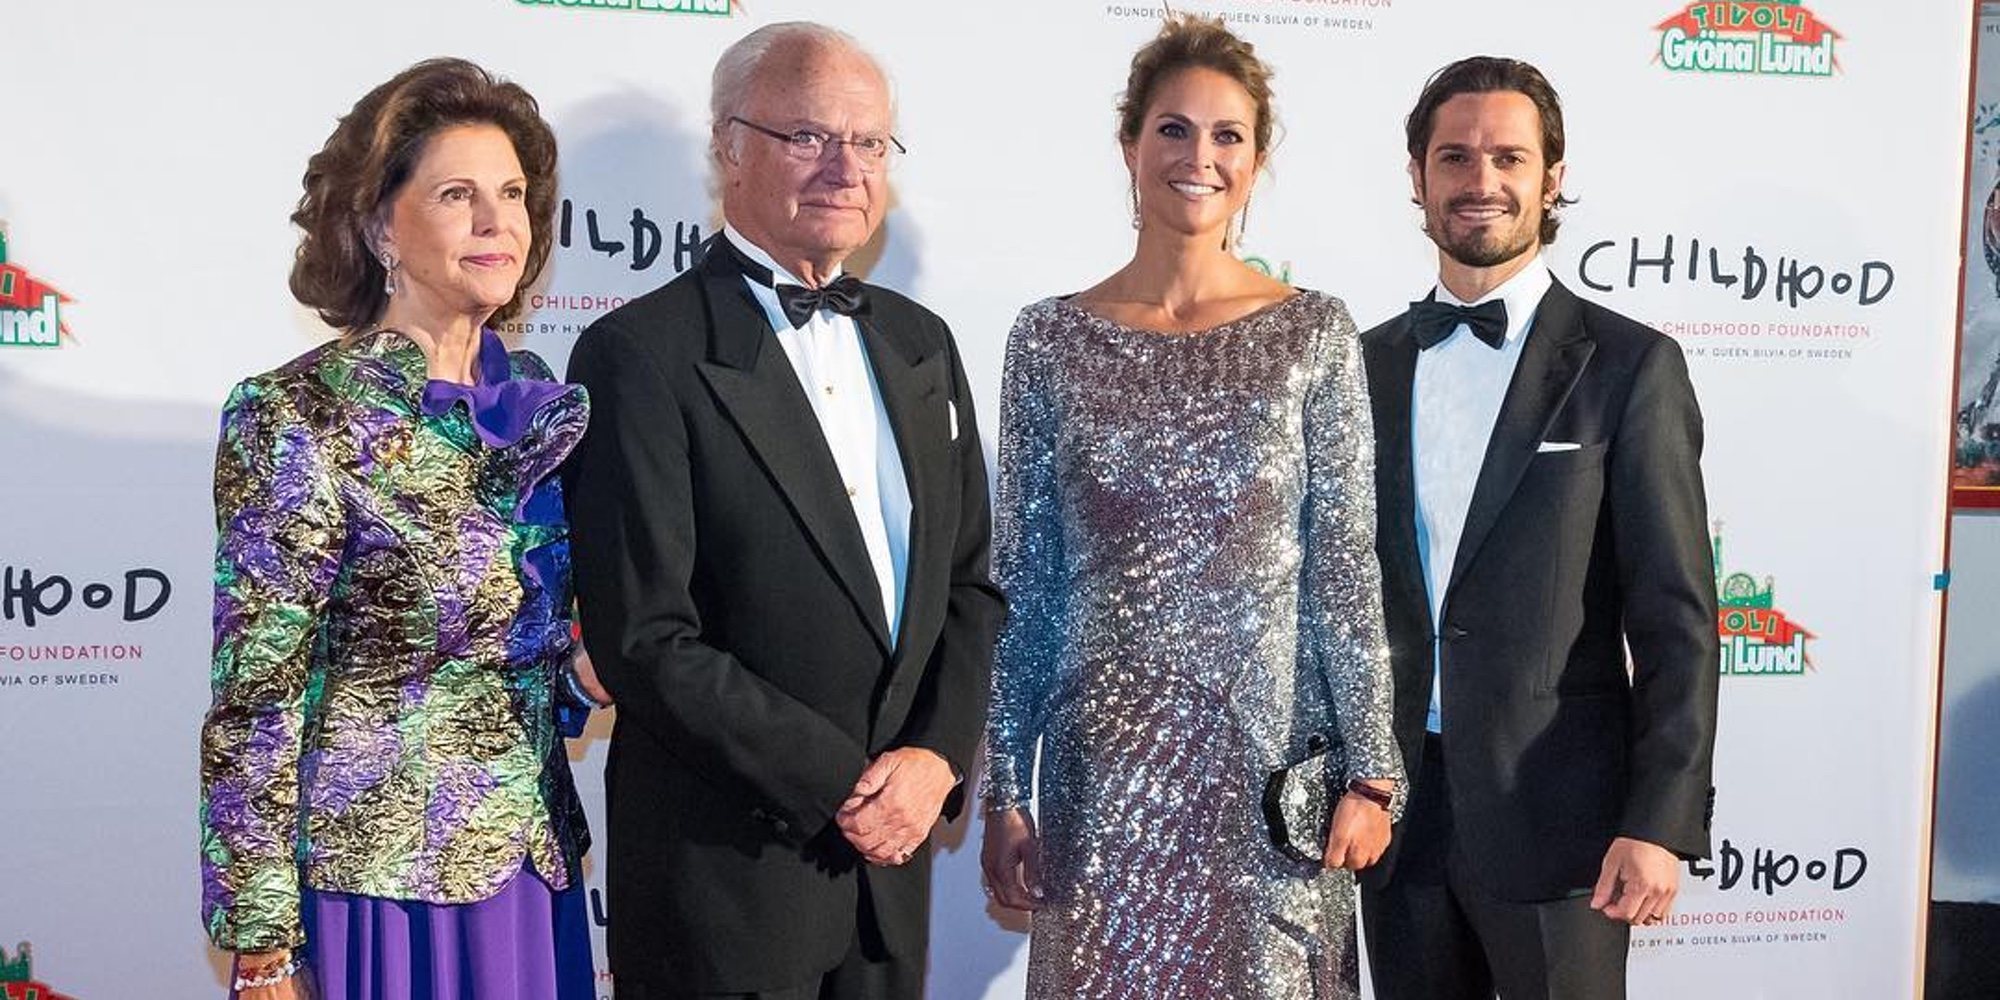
(634, 203)
(108, 482)
(1963, 961)
(1969, 793)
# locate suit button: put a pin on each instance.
(1454, 632)
(781, 827)
(761, 816)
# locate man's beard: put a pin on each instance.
(1485, 246)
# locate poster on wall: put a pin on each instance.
(1975, 470)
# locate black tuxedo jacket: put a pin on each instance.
(1568, 557)
(729, 604)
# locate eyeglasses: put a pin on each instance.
(810, 145)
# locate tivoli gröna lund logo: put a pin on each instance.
(1764, 37)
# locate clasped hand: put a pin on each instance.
(894, 804)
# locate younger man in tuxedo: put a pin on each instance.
(1541, 512)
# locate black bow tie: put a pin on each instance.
(1432, 321)
(845, 295)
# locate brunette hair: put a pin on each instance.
(1188, 41)
(1487, 75)
(369, 157)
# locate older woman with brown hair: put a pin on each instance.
(1185, 532)
(386, 801)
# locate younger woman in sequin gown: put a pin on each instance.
(1185, 531)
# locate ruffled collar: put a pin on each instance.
(502, 406)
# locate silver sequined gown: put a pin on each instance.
(1185, 532)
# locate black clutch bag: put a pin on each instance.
(1299, 800)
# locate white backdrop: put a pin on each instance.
(154, 152)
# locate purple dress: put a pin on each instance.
(526, 942)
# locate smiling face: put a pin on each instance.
(1483, 182)
(816, 211)
(458, 227)
(1195, 158)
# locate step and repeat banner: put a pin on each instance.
(1776, 185)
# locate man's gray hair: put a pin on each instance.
(737, 67)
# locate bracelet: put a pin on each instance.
(1381, 797)
(575, 689)
(269, 976)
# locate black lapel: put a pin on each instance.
(1392, 364)
(1551, 361)
(911, 383)
(757, 387)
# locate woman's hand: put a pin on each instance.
(1010, 860)
(255, 966)
(586, 677)
(1359, 833)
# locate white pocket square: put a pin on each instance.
(951, 410)
(1550, 446)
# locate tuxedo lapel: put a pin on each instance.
(1393, 364)
(910, 383)
(1551, 361)
(755, 385)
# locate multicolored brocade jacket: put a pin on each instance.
(392, 602)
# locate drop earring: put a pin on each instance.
(1232, 237)
(388, 274)
(1137, 222)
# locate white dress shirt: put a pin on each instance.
(1455, 400)
(833, 368)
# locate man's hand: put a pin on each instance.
(1010, 860)
(1358, 834)
(1637, 883)
(895, 803)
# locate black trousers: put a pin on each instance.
(1435, 934)
(868, 972)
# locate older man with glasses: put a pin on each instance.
(780, 518)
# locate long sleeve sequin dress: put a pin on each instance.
(1185, 532)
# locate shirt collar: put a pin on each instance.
(1523, 294)
(779, 275)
